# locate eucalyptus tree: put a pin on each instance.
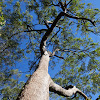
(60, 29)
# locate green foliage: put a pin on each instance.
(9, 85)
(2, 20)
(81, 54)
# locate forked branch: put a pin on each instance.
(64, 5)
(65, 92)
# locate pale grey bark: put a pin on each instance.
(37, 88)
(63, 92)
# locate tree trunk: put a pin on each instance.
(37, 87)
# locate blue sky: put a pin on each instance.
(24, 62)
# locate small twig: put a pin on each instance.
(55, 4)
(69, 2)
(46, 23)
(24, 72)
(26, 31)
(50, 22)
(62, 6)
(55, 34)
(52, 54)
(34, 62)
(36, 30)
(81, 93)
(59, 56)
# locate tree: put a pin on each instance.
(56, 20)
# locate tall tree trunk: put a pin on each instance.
(37, 87)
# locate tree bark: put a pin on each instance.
(37, 87)
(65, 92)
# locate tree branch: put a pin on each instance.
(55, 34)
(36, 30)
(52, 54)
(26, 31)
(45, 37)
(46, 23)
(82, 18)
(65, 92)
(50, 22)
(34, 62)
(59, 56)
(69, 2)
(62, 6)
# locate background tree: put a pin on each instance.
(22, 34)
